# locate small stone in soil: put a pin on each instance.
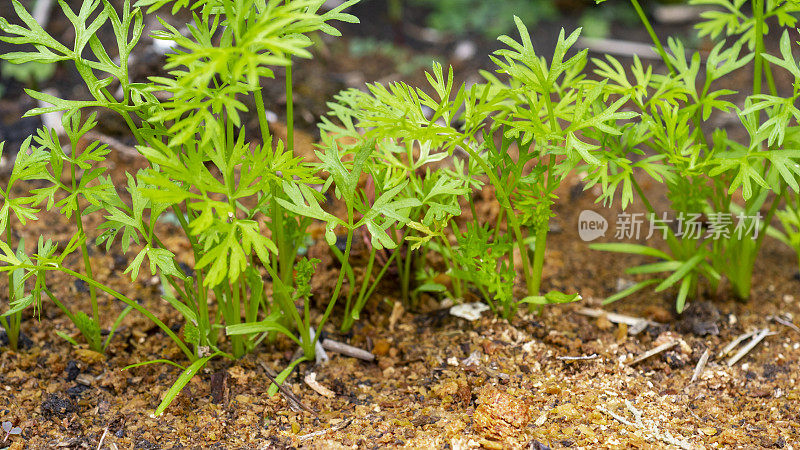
(536, 445)
(72, 370)
(56, 405)
(700, 319)
(674, 360)
(77, 390)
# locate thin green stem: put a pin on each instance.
(380, 275)
(538, 262)
(758, 29)
(770, 79)
(451, 264)
(338, 288)
(406, 275)
(505, 203)
(360, 300)
(126, 117)
(87, 265)
(235, 318)
(263, 124)
(652, 33)
(289, 109)
(12, 324)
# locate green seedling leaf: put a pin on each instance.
(683, 292)
(179, 384)
(636, 249)
(681, 272)
(263, 326)
(787, 60)
(431, 287)
(273, 388)
(551, 298)
(663, 266)
(67, 338)
(154, 361)
(630, 290)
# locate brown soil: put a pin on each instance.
(438, 381)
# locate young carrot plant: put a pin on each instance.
(524, 131)
(27, 166)
(222, 186)
(704, 170)
(390, 164)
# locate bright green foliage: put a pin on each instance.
(222, 186)
(548, 120)
(480, 261)
(704, 171)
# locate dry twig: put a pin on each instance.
(636, 324)
(577, 358)
(652, 430)
(758, 337)
(311, 381)
(701, 365)
(102, 438)
(653, 351)
(729, 348)
(289, 395)
(337, 427)
(784, 322)
(347, 350)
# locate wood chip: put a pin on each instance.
(84, 379)
(784, 322)
(220, 392)
(701, 365)
(649, 427)
(677, 14)
(397, 313)
(635, 324)
(729, 348)
(337, 427)
(102, 438)
(311, 381)
(654, 351)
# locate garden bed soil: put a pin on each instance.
(438, 380)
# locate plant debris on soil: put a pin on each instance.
(561, 379)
